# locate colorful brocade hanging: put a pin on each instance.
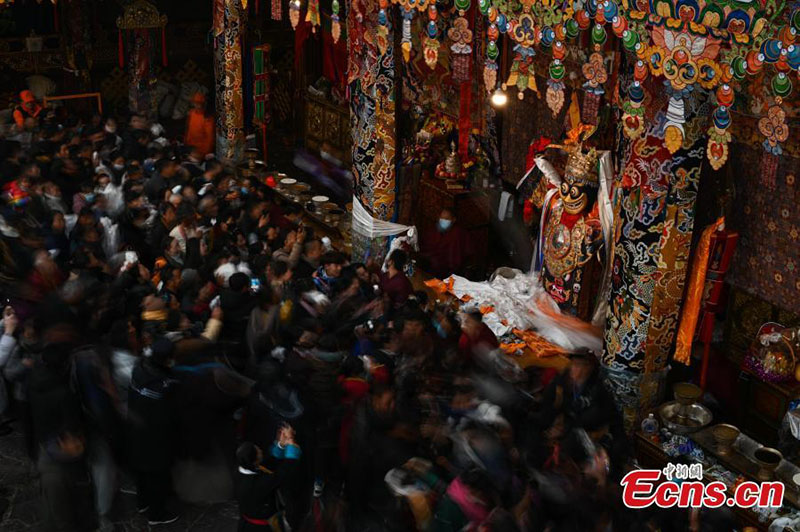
(461, 36)
(276, 10)
(430, 42)
(312, 14)
(408, 8)
(336, 26)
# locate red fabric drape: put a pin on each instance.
(465, 99)
(301, 33)
(334, 59)
(121, 51)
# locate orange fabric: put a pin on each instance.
(437, 285)
(694, 295)
(19, 118)
(200, 131)
(538, 345)
(486, 309)
(512, 348)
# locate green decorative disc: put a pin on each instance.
(781, 85)
(572, 28)
(462, 5)
(739, 67)
(557, 71)
(599, 35)
(630, 39)
(492, 51)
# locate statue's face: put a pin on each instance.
(574, 197)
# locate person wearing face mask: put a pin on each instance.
(84, 198)
(117, 167)
(446, 249)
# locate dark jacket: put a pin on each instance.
(151, 417)
(55, 407)
(257, 491)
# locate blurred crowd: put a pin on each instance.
(175, 331)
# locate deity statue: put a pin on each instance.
(572, 231)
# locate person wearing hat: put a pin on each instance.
(329, 273)
(199, 127)
(151, 422)
(28, 108)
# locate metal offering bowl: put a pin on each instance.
(687, 393)
(724, 435)
(684, 419)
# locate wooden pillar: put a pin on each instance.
(230, 21)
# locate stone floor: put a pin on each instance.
(20, 506)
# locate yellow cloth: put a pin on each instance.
(574, 110)
(154, 315)
(694, 295)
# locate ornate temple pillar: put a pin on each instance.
(654, 206)
(230, 19)
(371, 81)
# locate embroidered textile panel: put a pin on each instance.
(228, 78)
(654, 218)
(767, 260)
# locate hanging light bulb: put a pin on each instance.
(499, 98)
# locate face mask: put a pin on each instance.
(245, 191)
(439, 329)
(445, 224)
(110, 129)
(89, 197)
(118, 167)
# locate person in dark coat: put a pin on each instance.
(159, 231)
(60, 434)
(447, 248)
(477, 339)
(152, 421)
(261, 477)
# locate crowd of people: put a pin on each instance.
(162, 311)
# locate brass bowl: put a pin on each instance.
(725, 436)
(687, 393)
(684, 419)
(768, 460)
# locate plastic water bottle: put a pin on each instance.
(650, 425)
